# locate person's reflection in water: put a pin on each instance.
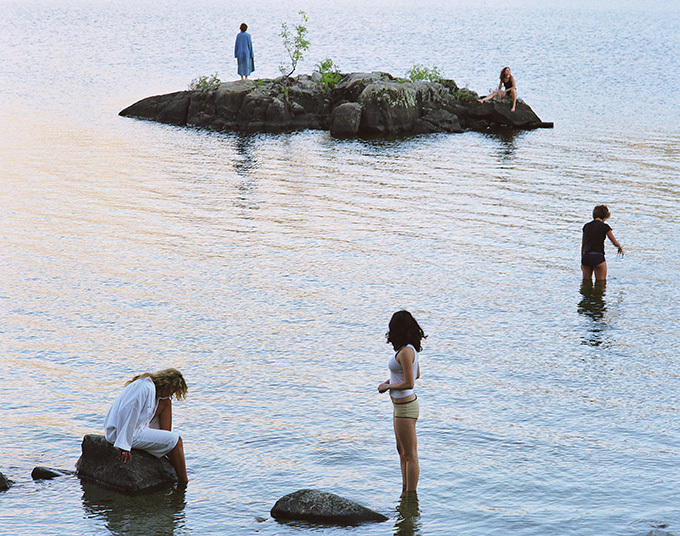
(159, 514)
(594, 306)
(244, 166)
(246, 162)
(408, 515)
(507, 147)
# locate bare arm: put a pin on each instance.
(405, 358)
(610, 235)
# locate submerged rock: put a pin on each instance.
(100, 463)
(323, 507)
(5, 482)
(47, 473)
(360, 104)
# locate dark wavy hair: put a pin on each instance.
(602, 212)
(243, 27)
(403, 330)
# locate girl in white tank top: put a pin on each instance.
(405, 336)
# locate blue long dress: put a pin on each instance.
(243, 52)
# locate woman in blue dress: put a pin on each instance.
(243, 52)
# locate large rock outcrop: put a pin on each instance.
(322, 507)
(360, 104)
(100, 463)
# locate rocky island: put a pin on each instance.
(360, 104)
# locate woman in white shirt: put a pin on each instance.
(141, 418)
(405, 335)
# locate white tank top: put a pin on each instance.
(397, 375)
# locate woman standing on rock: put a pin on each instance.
(141, 418)
(405, 336)
(592, 244)
(508, 81)
(243, 52)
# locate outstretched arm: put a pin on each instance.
(610, 235)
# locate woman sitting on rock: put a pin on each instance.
(141, 418)
(508, 81)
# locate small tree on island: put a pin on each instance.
(295, 42)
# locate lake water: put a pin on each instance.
(266, 268)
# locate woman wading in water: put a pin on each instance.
(592, 244)
(405, 335)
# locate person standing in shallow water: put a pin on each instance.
(592, 244)
(243, 52)
(141, 418)
(508, 81)
(405, 336)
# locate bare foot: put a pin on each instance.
(512, 109)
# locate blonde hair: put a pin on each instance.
(168, 378)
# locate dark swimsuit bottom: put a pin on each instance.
(592, 259)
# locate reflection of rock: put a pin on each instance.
(47, 473)
(5, 483)
(100, 462)
(382, 105)
(322, 507)
(159, 514)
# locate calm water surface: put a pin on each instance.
(266, 268)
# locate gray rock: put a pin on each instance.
(659, 532)
(389, 108)
(322, 507)
(100, 463)
(346, 119)
(5, 482)
(47, 473)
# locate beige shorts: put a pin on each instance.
(409, 410)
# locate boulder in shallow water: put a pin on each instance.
(5, 483)
(323, 507)
(100, 463)
(47, 473)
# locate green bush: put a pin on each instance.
(205, 82)
(421, 72)
(464, 94)
(330, 76)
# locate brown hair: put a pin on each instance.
(243, 27)
(601, 211)
(168, 378)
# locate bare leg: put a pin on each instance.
(513, 94)
(587, 271)
(176, 457)
(407, 447)
(488, 97)
(600, 271)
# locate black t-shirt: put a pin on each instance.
(594, 234)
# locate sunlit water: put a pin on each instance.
(266, 268)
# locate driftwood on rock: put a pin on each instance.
(322, 507)
(360, 104)
(100, 463)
